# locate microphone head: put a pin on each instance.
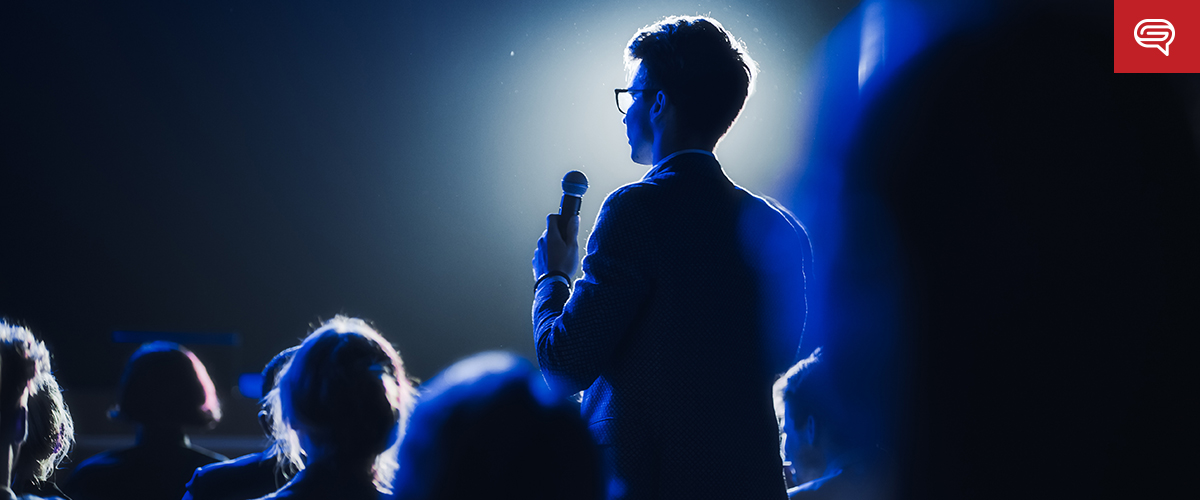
(574, 183)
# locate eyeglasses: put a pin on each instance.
(625, 98)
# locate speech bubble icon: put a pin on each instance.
(1155, 33)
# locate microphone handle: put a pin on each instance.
(570, 205)
(570, 208)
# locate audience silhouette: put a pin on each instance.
(252, 475)
(488, 427)
(50, 436)
(24, 367)
(342, 403)
(824, 456)
(164, 389)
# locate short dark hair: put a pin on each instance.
(166, 384)
(489, 424)
(703, 69)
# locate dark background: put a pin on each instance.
(1005, 233)
(256, 167)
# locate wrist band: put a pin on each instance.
(552, 274)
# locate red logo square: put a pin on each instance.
(1156, 36)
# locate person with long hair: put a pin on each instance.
(340, 409)
(164, 390)
(24, 366)
(50, 436)
(251, 475)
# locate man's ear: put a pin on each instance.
(659, 108)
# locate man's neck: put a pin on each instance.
(665, 146)
(671, 156)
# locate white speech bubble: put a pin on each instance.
(1155, 33)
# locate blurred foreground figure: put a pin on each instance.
(24, 366)
(253, 475)
(487, 427)
(341, 403)
(692, 297)
(164, 389)
(1019, 238)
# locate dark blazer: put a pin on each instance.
(142, 472)
(692, 300)
(242, 478)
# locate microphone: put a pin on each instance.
(574, 184)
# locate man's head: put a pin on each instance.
(698, 76)
(802, 412)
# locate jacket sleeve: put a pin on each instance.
(785, 256)
(576, 334)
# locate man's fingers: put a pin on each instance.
(539, 257)
(572, 227)
(552, 227)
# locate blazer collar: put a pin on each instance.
(683, 160)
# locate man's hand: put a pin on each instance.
(557, 251)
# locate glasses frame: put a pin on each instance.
(617, 95)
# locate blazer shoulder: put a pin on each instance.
(634, 193)
(778, 221)
(783, 211)
(630, 200)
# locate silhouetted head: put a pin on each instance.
(51, 431)
(813, 425)
(343, 396)
(489, 427)
(166, 385)
(22, 359)
(270, 376)
(701, 68)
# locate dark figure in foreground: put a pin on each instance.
(24, 366)
(165, 388)
(253, 475)
(692, 297)
(487, 428)
(342, 402)
(824, 457)
(50, 436)
(1045, 222)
